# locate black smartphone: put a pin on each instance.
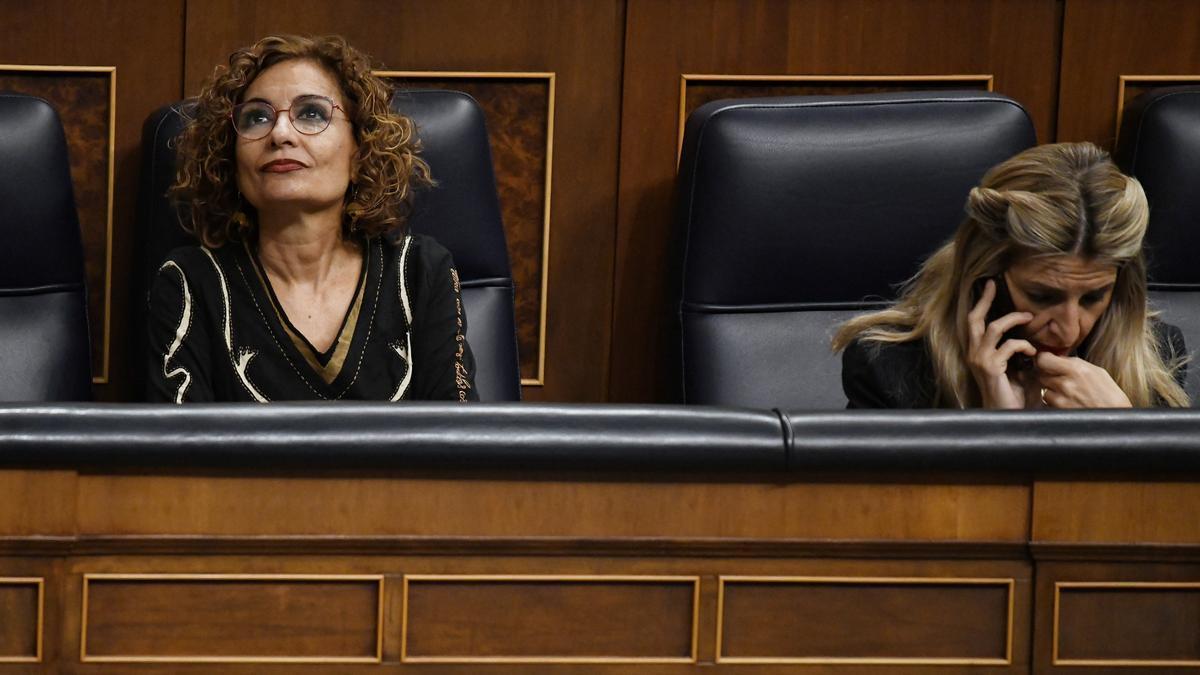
(1002, 304)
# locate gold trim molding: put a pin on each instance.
(540, 379)
(1056, 660)
(564, 578)
(102, 378)
(686, 78)
(41, 617)
(1009, 584)
(379, 602)
(1124, 80)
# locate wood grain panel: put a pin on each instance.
(143, 40)
(1016, 41)
(36, 502)
(550, 619)
(1105, 39)
(867, 621)
(20, 619)
(1116, 513)
(1127, 624)
(579, 41)
(519, 122)
(83, 99)
(223, 618)
(553, 505)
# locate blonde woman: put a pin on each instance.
(1039, 300)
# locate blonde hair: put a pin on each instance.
(386, 166)
(1052, 200)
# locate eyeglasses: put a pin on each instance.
(310, 115)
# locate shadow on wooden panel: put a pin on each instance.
(232, 618)
(86, 100)
(879, 621)
(22, 608)
(549, 619)
(1126, 624)
(519, 108)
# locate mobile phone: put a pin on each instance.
(1002, 304)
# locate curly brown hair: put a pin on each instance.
(386, 166)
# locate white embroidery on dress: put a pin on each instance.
(403, 281)
(185, 323)
(403, 351)
(242, 360)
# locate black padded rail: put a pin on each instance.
(435, 435)
(1046, 441)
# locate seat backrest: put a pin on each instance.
(1159, 145)
(44, 346)
(462, 212)
(797, 213)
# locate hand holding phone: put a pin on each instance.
(996, 345)
(1002, 305)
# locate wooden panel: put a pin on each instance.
(480, 619)
(20, 619)
(869, 621)
(553, 505)
(1105, 39)
(36, 502)
(224, 618)
(1017, 42)
(580, 42)
(520, 110)
(142, 39)
(1127, 624)
(1115, 513)
(84, 99)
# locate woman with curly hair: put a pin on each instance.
(297, 178)
(1038, 301)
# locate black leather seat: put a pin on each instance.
(462, 212)
(796, 213)
(44, 347)
(1160, 145)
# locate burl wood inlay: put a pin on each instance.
(187, 620)
(572, 620)
(516, 112)
(82, 101)
(18, 620)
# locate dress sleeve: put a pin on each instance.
(860, 379)
(180, 366)
(445, 367)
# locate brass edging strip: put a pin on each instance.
(1123, 80)
(569, 578)
(1055, 660)
(102, 378)
(1008, 583)
(685, 78)
(41, 617)
(540, 379)
(378, 658)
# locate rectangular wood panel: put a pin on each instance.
(228, 618)
(865, 620)
(549, 619)
(20, 619)
(1127, 624)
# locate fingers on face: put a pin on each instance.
(1006, 323)
(1009, 348)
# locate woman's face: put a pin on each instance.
(1067, 295)
(287, 171)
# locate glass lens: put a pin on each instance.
(311, 114)
(253, 119)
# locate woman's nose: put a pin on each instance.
(282, 131)
(1066, 322)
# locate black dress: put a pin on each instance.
(218, 333)
(900, 375)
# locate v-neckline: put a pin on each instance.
(319, 361)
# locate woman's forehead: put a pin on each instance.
(1065, 271)
(284, 81)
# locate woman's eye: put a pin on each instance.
(254, 117)
(312, 111)
(1040, 299)
(1091, 299)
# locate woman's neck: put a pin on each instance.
(304, 249)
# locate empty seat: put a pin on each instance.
(796, 213)
(44, 347)
(1159, 145)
